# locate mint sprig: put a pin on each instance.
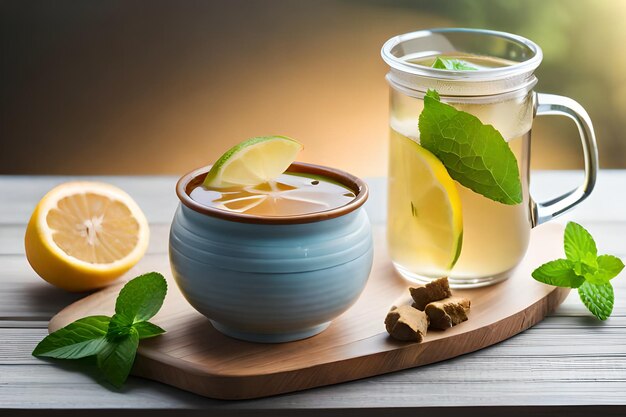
(476, 155)
(583, 269)
(113, 340)
(453, 64)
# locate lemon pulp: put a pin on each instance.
(93, 228)
(82, 235)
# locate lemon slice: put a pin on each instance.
(426, 216)
(254, 161)
(83, 235)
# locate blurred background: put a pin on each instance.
(161, 87)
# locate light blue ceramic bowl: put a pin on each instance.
(271, 279)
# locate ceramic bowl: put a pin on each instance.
(271, 279)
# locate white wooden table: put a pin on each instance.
(570, 364)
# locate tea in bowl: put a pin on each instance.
(275, 261)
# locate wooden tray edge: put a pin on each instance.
(185, 376)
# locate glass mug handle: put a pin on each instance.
(553, 105)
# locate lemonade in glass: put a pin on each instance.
(442, 218)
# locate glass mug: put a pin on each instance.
(494, 236)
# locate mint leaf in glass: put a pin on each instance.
(558, 273)
(113, 340)
(597, 298)
(82, 338)
(453, 64)
(584, 270)
(476, 155)
(141, 298)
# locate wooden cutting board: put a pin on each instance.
(195, 357)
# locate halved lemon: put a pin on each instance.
(253, 161)
(426, 218)
(83, 235)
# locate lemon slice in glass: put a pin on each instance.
(252, 162)
(429, 234)
(83, 235)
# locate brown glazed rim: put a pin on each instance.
(194, 178)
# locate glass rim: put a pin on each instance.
(400, 64)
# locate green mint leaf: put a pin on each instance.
(440, 63)
(579, 245)
(475, 155)
(608, 268)
(597, 298)
(583, 269)
(141, 298)
(119, 327)
(453, 64)
(84, 337)
(114, 340)
(610, 265)
(558, 273)
(145, 329)
(433, 94)
(116, 358)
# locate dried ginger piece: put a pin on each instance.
(433, 291)
(448, 312)
(406, 323)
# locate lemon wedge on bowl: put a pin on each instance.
(83, 235)
(253, 161)
(426, 218)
